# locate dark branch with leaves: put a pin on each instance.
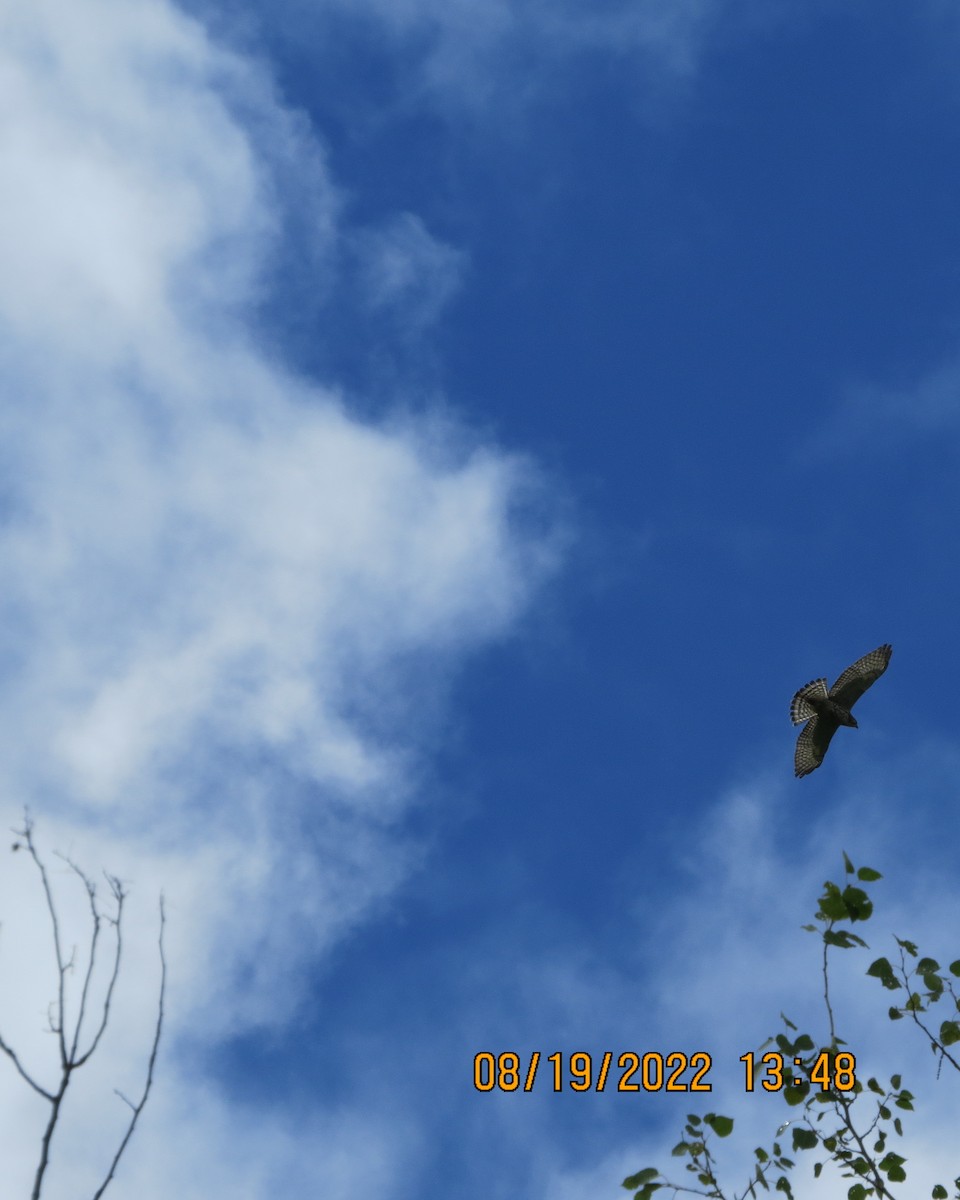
(835, 1115)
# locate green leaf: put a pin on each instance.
(647, 1191)
(881, 969)
(949, 1033)
(954, 967)
(874, 1086)
(641, 1177)
(868, 875)
(831, 903)
(934, 985)
(721, 1126)
(895, 1081)
(891, 1160)
(847, 864)
(838, 937)
(804, 1139)
(636, 1181)
(939, 1192)
(858, 904)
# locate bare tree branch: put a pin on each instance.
(72, 1055)
(138, 1108)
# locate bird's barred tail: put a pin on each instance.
(800, 707)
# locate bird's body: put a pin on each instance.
(826, 710)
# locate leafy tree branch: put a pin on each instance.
(848, 1122)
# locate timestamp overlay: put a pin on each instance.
(653, 1071)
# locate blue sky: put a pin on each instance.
(437, 441)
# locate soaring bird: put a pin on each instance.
(825, 711)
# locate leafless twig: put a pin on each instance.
(71, 1055)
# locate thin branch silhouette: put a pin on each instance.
(72, 1055)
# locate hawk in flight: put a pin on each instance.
(825, 711)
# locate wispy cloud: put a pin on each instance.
(403, 269)
(928, 406)
(475, 50)
(464, 56)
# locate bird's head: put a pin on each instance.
(851, 720)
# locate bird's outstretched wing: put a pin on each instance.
(857, 678)
(813, 742)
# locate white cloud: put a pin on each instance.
(927, 406)
(229, 607)
(459, 57)
(471, 48)
(402, 267)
